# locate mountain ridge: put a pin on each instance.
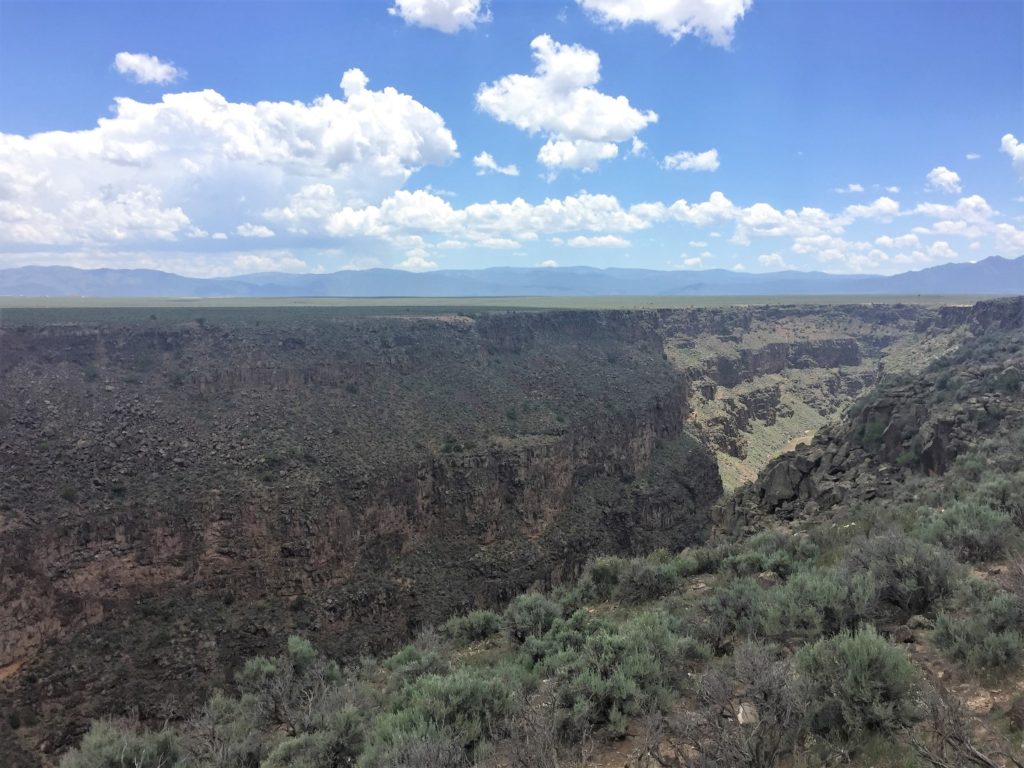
(993, 275)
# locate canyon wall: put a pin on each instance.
(176, 497)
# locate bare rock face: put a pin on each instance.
(179, 496)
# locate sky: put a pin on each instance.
(220, 138)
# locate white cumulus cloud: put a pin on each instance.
(1009, 238)
(485, 162)
(150, 170)
(693, 161)
(269, 262)
(417, 260)
(579, 154)
(581, 125)
(943, 179)
(940, 249)
(773, 260)
(713, 20)
(901, 241)
(599, 241)
(882, 208)
(443, 15)
(254, 230)
(144, 68)
(1015, 150)
(972, 215)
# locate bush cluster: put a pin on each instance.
(474, 626)
(988, 634)
(911, 575)
(859, 683)
(974, 532)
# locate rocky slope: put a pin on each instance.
(764, 380)
(907, 425)
(180, 494)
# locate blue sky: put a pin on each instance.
(841, 136)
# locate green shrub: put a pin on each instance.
(911, 575)
(412, 662)
(642, 581)
(110, 745)
(974, 532)
(296, 690)
(871, 433)
(820, 602)
(528, 615)
(561, 642)
(736, 607)
(660, 634)
(687, 563)
(859, 683)
(990, 635)
(228, 733)
(603, 573)
(619, 672)
(572, 597)
(779, 553)
(308, 750)
(433, 748)
(476, 625)
(336, 745)
(638, 580)
(707, 559)
(470, 705)
(1004, 492)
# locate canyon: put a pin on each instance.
(180, 492)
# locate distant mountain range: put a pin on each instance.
(994, 275)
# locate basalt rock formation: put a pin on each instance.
(177, 497)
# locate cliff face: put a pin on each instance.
(177, 497)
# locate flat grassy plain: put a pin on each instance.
(21, 310)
